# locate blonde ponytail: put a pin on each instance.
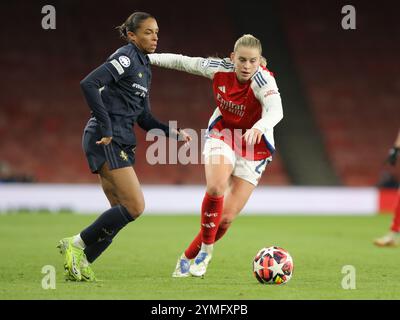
(263, 62)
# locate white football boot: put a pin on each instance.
(392, 239)
(200, 264)
(182, 267)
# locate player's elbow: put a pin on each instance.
(279, 110)
(278, 118)
(89, 87)
(85, 84)
(280, 115)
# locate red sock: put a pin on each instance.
(396, 219)
(211, 213)
(194, 248)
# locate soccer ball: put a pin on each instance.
(273, 265)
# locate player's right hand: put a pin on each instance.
(104, 141)
(392, 157)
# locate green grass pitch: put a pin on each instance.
(139, 263)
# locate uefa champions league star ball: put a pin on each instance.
(273, 265)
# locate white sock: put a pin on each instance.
(78, 242)
(207, 248)
(183, 256)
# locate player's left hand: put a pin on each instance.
(104, 141)
(252, 136)
(184, 136)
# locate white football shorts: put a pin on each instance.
(248, 170)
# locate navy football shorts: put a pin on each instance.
(116, 155)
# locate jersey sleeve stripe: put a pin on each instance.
(258, 82)
(261, 79)
(222, 63)
(214, 64)
(226, 64)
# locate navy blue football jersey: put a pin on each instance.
(124, 82)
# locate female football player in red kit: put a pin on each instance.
(239, 143)
(392, 239)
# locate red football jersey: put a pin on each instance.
(240, 106)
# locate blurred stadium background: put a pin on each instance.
(340, 88)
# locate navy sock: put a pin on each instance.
(106, 226)
(93, 251)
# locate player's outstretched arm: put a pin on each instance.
(148, 122)
(193, 65)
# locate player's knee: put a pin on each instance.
(135, 209)
(216, 189)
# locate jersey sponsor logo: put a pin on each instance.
(140, 94)
(117, 66)
(125, 61)
(230, 106)
(138, 86)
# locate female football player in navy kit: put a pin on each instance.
(117, 93)
(239, 141)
